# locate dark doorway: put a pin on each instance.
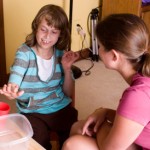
(3, 74)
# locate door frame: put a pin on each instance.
(3, 74)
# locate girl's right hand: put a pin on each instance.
(11, 91)
(69, 58)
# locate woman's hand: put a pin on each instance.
(68, 59)
(11, 91)
(94, 121)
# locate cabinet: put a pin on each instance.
(126, 6)
(145, 15)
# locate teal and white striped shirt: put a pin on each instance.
(40, 96)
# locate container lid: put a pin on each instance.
(14, 129)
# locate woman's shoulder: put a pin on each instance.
(140, 81)
(139, 88)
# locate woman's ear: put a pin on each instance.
(115, 55)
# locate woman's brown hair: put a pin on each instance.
(128, 34)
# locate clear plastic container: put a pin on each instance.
(15, 132)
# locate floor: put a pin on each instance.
(102, 88)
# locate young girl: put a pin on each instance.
(124, 43)
(41, 78)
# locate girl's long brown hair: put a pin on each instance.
(56, 17)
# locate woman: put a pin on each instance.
(123, 46)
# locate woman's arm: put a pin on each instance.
(120, 135)
(96, 119)
(112, 130)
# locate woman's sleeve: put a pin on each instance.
(135, 105)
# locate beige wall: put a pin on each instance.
(81, 10)
(18, 15)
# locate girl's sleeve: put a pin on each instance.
(19, 67)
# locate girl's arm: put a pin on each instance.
(11, 91)
(18, 69)
(67, 60)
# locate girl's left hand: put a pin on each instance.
(68, 59)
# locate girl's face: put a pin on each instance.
(46, 36)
